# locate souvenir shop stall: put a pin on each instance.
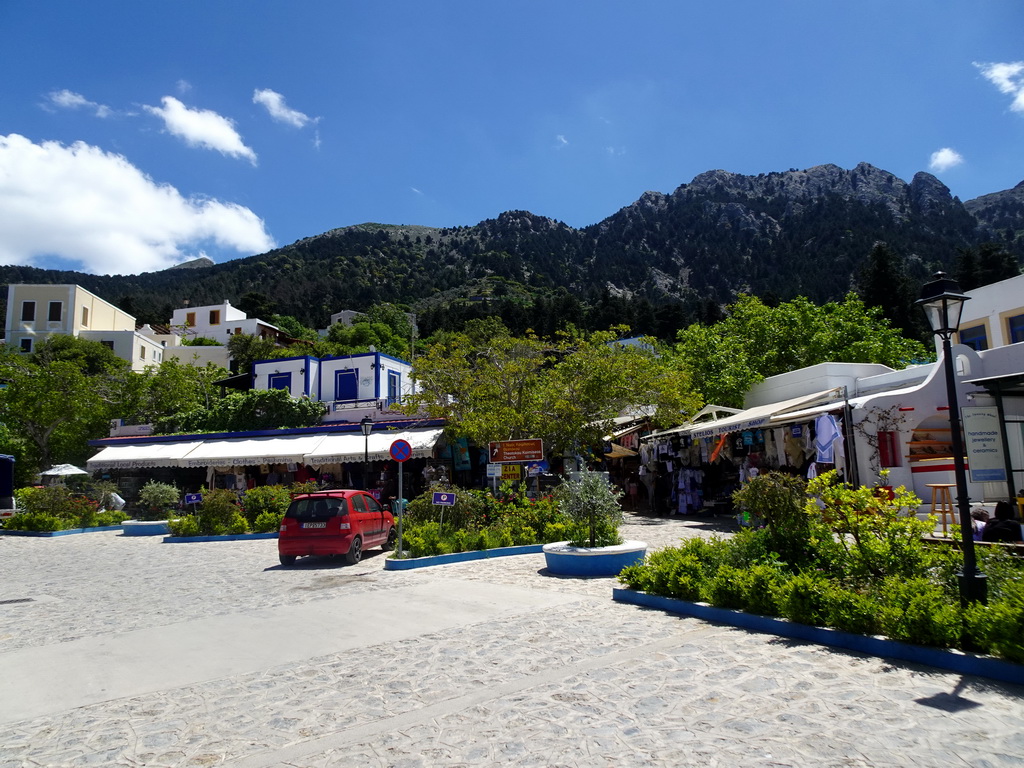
(694, 469)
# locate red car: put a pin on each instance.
(335, 523)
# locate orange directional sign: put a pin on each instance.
(513, 451)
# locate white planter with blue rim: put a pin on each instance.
(565, 560)
(145, 528)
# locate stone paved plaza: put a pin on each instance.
(136, 652)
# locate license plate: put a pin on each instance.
(314, 525)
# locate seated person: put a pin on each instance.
(1002, 526)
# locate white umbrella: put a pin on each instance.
(63, 470)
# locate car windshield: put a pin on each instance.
(316, 508)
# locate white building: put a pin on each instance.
(899, 420)
(995, 315)
(220, 322)
(350, 386)
(35, 312)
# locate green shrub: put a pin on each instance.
(267, 522)
(156, 500)
(54, 508)
(878, 536)
(804, 598)
(186, 525)
(851, 611)
(760, 588)
(273, 499)
(38, 521)
(918, 611)
(672, 572)
(777, 500)
(218, 515)
(998, 627)
(727, 588)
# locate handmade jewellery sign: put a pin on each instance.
(983, 442)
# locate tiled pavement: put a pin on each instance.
(139, 653)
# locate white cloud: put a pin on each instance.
(274, 102)
(66, 99)
(89, 206)
(1008, 77)
(561, 141)
(944, 159)
(202, 128)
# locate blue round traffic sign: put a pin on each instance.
(401, 450)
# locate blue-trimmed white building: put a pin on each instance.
(350, 386)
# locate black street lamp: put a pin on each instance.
(367, 426)
(943, 303)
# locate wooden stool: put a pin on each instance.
(942, 503)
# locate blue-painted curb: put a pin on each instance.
(232, 537)
(459, 557)
(952, 660)
(66, 532)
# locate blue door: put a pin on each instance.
(346, 384)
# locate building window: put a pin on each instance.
(26, 345)
(190, 319)
(108, 344)
(28, 311)
(142, 353)
(85, 316)
(1015, 327)
(238, 331)
(214, 317)
(888, 449)
(975, 337)
(56, 311)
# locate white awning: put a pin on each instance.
(251, 451)
(761, 415)
(352, 446)
(141, 456)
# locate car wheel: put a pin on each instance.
(287, 559)
(389, 545)
(355, 552)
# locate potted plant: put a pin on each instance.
(596, 548)
(156, 500)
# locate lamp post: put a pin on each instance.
(367, 426)
(943, 303)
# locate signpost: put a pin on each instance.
(400, 451)
(983, 442)
(516, 451)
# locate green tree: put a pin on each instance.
(884, 284)
(246, 349)
(755, 341)
(55, 409)
(243, 411)
(294, 328)
(566, 391)
(257, 305)
(989, 264)
(172, 387)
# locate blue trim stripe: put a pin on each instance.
(953, 661)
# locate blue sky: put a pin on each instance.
(136, 135)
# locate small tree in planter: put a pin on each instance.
(593, 506)
(596, 549)
(157, 500)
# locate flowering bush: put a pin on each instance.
(57, 508)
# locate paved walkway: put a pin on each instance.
(138, 653)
